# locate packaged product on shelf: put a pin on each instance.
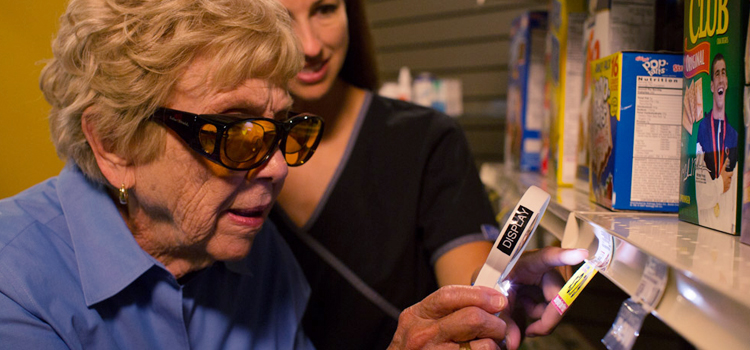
(713, 131)
(746, 177)
(523, 143)
(592, 48)
(635, 131)
(610, 26)
(745, 229)
(564, 55)
(442, 94)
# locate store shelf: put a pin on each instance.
(705, 299)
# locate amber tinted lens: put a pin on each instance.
(248, 143)
(207, 138)
(300, 142)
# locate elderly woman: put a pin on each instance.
(170, 115)
(174, 119)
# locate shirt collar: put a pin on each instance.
(109, 259)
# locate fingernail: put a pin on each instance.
(576, 253)
(574, 256)
(498, 301)
(481, 346)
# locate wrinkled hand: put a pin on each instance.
(450, 316)
(536, 281)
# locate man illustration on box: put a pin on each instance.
(716, 151)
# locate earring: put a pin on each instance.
(123, 195)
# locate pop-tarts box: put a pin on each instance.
(635, 131)
(524, 118)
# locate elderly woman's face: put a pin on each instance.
(201, 207)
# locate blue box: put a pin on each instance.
(525, 114)
(635, 131)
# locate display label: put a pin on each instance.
(513, 233)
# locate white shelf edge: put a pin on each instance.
(706, 316)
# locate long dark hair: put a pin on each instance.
(360, 67)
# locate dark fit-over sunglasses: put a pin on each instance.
(241, 142)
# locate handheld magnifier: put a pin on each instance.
(513, 239)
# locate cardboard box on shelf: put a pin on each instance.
(745, 224)
(564, 56)
(635, 131)
(523, 143)
(611, 26)
(713, 131)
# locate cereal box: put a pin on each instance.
(745, 229)
(523, 143)
(713, 130)
(635, 131)
(746, 177)
(611, 26)
(565, 76)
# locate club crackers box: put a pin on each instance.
(713, 131)
(523, 144)
(610, 26)
(635, 131)
(565, 75)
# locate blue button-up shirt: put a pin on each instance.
(73, 276)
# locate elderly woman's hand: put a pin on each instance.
(536, 281)
(450, 316)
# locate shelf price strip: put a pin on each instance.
(585, 273)
(627, 325)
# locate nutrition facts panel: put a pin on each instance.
(658, 100)
(708, 272)
(656, 140)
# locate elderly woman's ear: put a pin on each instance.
(116, 169)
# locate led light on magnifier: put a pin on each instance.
(504, 287)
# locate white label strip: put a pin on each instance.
(603, 255)
(652, 284)
(626, 327)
